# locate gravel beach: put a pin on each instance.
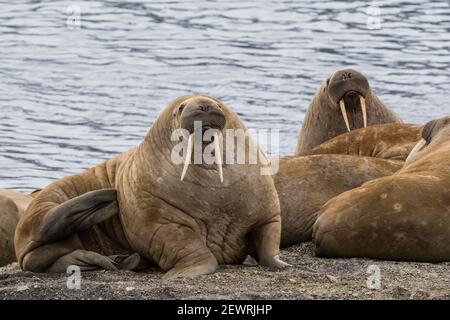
(308, 278)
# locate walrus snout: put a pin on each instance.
(349, 88)
(429, 131)
(347, 80)
(208, 114)
(203, 110)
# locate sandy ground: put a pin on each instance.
(308, 278)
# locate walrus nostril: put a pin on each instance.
(204, 107)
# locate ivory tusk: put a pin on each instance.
(187, 161)
(344, 114)
(218, 155)
(263, 155)
(363, 109)
(419, 146)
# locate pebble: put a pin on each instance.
(332, 279)
(22, 288)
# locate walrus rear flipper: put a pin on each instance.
(78, 214)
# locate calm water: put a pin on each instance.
(71, 98)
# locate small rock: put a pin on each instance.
(292, 280)
(401, 293)
(129, 288)
(420, 294)
(332, 279)
(22, 288)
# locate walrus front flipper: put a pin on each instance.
(85, 260)
(78, 214)
(89, 261)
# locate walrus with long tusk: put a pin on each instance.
(305, 183)
(393, 141)
(344, 102)
(133, 209)
(12, 206)
(405, 216)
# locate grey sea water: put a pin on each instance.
(71, 97)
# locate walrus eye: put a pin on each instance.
(180, 108)
(328, 82)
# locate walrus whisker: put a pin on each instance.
(187, 161)
(363, 109)
(419, 146)
(344, 114)
(218, 155)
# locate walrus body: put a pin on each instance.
(344, 102)
(12, 206)
(405, 216)
(393, 141)
(305, 183)
(133, 209)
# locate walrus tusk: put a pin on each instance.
(419, 146)
(344, 114)
(187, 161)
(263, 155)
(218, 155)
(363, 109)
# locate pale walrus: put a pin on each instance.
(405, 216)
(305, 183)
(393, 141)
(344, 102)
(186, 227)
(12, 205)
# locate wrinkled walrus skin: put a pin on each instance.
(393, 141)
(324, 118)
(403, 217)
(12, 206)
(305, 183)
(186, 227)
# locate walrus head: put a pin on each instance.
(429, 133)
(348, 89)
(198, 114)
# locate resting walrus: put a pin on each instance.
(405, 216)
(305, 183)
(393, 141)
(344, 102)
(12, 205)
(186, 227)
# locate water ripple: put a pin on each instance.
(72, 98)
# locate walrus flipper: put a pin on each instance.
(78, 214)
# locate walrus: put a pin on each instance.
(344, 102)
(12, 206)
(305, 183)
(404, 217)
(393, 141)
(133, 210)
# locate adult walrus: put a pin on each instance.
(393, 141)
(405, 216)
(12, 205)
(344, 102)
(305, 183)
(186, 227)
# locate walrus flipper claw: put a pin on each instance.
(78, 214)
